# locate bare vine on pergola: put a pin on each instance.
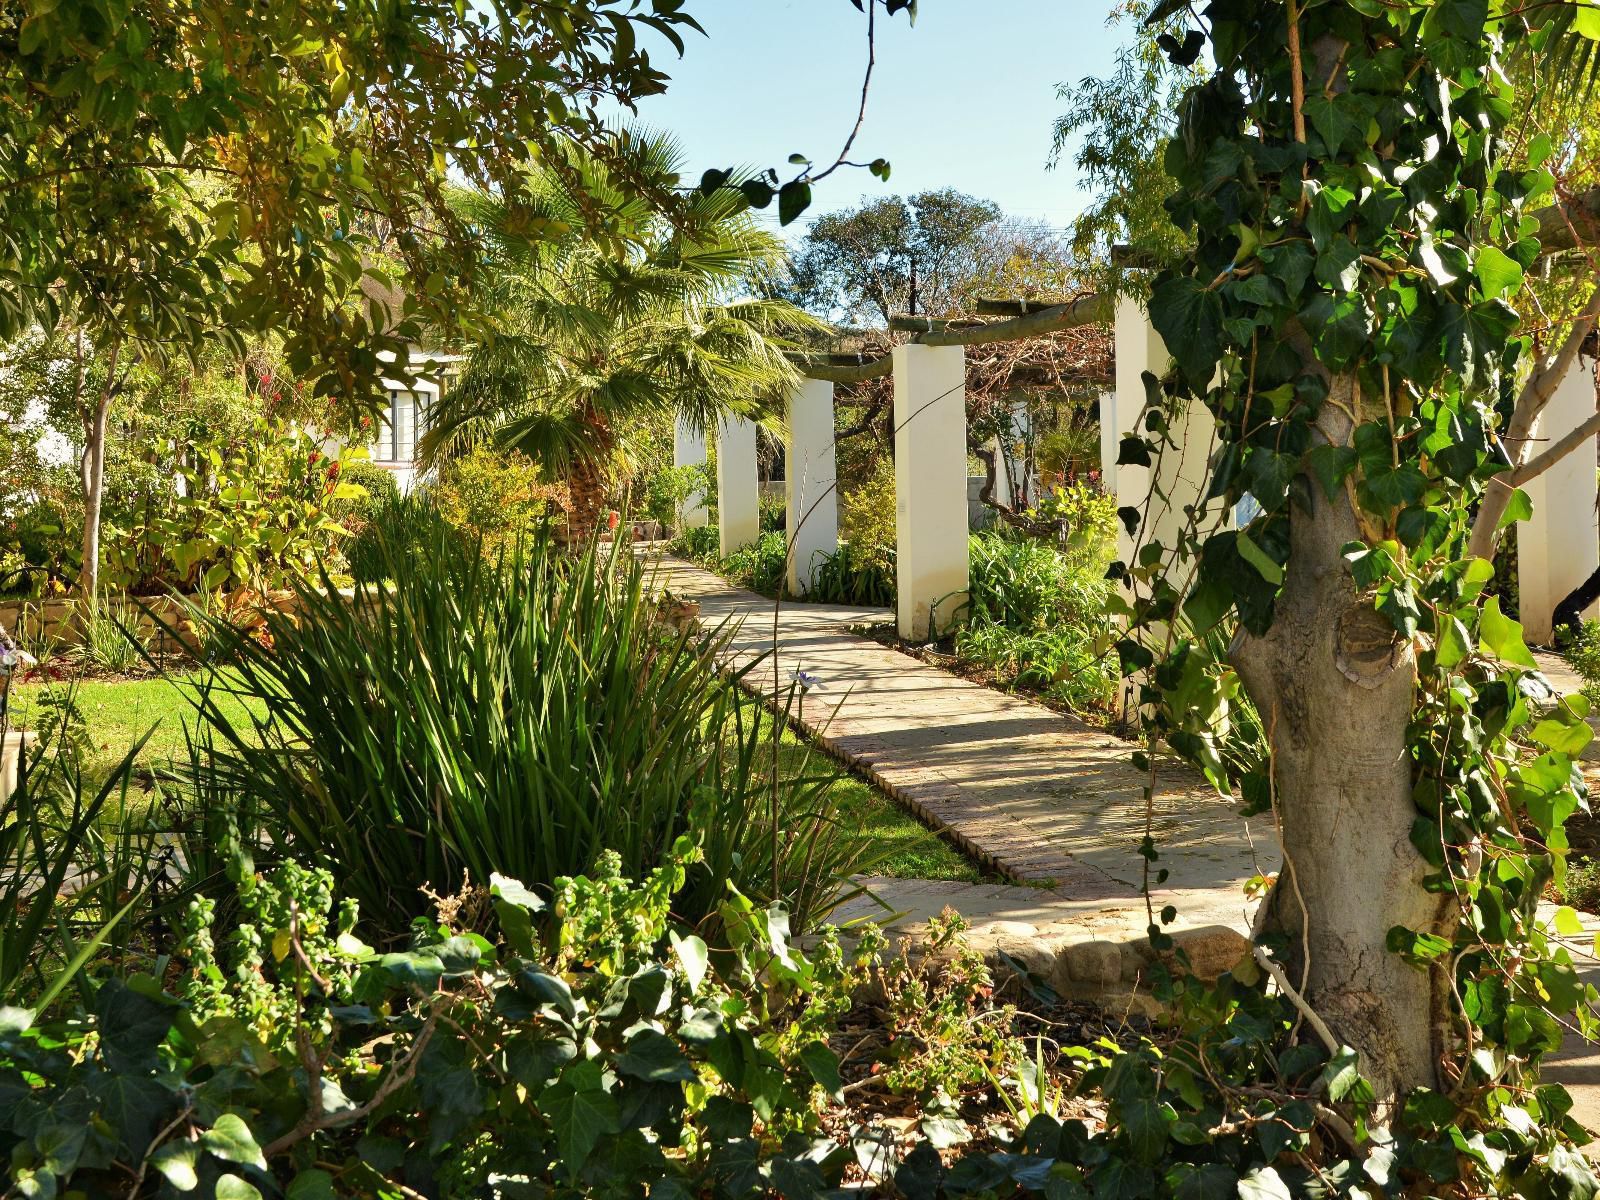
(1060, 359)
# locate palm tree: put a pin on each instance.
(595, 334)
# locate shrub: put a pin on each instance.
(851, 576)
(774, 513)
(521, 717)
(114, 639)
(867, 514)
(702, 544)
(667, 491)
(378, 487)
(1583, 655)
(760, 566)
(495, 499)
(1085, 519)
(256, 514)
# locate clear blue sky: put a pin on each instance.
(965, 98)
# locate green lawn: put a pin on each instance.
(117, 714)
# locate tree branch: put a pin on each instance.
(1531, 402)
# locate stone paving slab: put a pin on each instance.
(1037, 796)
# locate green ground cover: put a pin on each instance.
(117, 713)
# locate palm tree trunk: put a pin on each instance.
(589, 480)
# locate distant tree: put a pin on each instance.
(895, 255)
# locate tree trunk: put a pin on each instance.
(1335, 686)
(92, 477)
(589, 480)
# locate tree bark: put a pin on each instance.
(589, 480)
(92, 468)
(1335, 686)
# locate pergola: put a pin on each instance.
(1556, 551)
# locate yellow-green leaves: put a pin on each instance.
(1500, 636)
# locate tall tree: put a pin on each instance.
(172, 172)
(1363, 229)
(652, 323)
(895, 255)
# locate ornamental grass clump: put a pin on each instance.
(520, 716)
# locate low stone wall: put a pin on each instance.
(160, 620)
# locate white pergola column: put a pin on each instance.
(689, 450)
(930, 484)
(1560, 547)
(810, 482)
(1180, 476)
(738, 484)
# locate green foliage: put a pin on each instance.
(495, 500)
(701, 544)
(867, 515)
(523, 715)
(1346, 317)
(774, 513)
(850, 576)
(1583, 655)
(760, 566)
(69, 873)
(378, 488)
(257, 513)
(598, 334)
(667, 491)
(138, 206)
(114, 639)
(1036, 612)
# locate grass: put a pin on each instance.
(117, 713)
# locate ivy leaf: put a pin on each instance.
(1213, 1181)
(311, 1184)
(581, 1112)
(693, 957)
(1518, 508)
(1502, 637)
(1586, 21)
(231, 1187)
(1189, 319)
(1330, 464)
(230, 1140)
(1498, 274)
(176, 1161)
(1145, 1128)
(1263, 1184)
(823, 1064)
(1258, 558)
(655, 1058)
(1453, 644)
(1133, 452)
(793, 199)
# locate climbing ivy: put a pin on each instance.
(1349, 317)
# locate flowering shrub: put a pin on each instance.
(496, 499)
(254, 514)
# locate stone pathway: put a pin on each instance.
(1037, 796)
(1041, 798)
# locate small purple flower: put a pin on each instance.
(807, 681)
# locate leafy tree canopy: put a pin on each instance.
(932, 253)
(173, 171)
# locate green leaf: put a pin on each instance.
(1258, 558)
(581, 1112)
(1145, 1127)
(1498, 274)
(1189, 319)
(693, 957)
(1502, 637)
(231, 1187)
(655, 1058)
(176, 1161)
(1586, 21)
(230, 1139)
(1518, 508)
(793, 199)
(1454, 642)
(1263, 1184)
(823, 1064)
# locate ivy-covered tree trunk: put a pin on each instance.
(1335, 685)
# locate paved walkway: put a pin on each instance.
(1040, 797)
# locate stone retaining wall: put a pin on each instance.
(160, 620)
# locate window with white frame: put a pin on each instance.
(399, 427)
